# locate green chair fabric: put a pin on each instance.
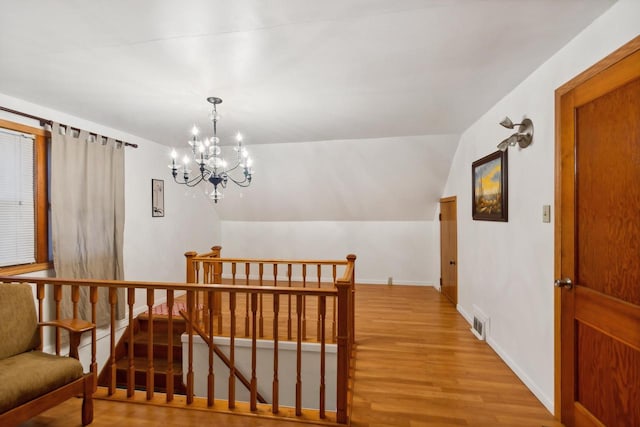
(18, 322)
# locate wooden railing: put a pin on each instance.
(215, 317)
(211, 268)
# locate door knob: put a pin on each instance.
(452, 263)
(563, 283)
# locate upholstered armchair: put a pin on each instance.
(32, 381)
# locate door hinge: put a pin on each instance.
(439, 217)
(441, 282)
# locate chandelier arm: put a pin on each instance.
(241, 183)
(204, 176)
(233, 168)
(191, 183)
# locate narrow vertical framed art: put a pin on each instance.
(157, 197)
(490, 187)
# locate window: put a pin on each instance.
(16, 199)
(23, 199)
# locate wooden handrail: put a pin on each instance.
(270, 290)
(269, 260)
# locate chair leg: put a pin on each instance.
(87, 401)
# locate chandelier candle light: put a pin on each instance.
(207, 153)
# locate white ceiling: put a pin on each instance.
(287, 70)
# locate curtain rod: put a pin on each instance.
(44, 121)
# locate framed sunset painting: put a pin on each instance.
(490, 192)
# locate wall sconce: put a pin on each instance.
(522, 137)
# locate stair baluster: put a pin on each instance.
(170, 371)
(247, 269)
(289, 268)
(260, 278)
(232, 351)
(254, 381)
(93, 300)
(333, 321)
(276, 382)
(322, 310)
(299, 305)
(210, 376)
(304, 304)
(113, 300)
(131, 379)
(150, 368)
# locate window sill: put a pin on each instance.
(26, 268)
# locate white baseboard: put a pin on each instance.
(395, 282)
(464, 314)
(531, 385)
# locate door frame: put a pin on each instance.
(592, 72)
(449, 199)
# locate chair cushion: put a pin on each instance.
(28, 375)
(19, 326)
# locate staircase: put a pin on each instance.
(160, 353)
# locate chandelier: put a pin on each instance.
(212, 167)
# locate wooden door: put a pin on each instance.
(449, 249)
(598, 244)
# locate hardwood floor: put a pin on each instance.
(417, 365)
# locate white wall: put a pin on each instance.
(374, 179)
(404, 250)
(154, 247)
(326, 199)
(287, 353)
(506, 269)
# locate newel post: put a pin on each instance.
(351, 259)
(344, 350)
(191, 269)
(191, 272)
(217, 267)
(217, 278)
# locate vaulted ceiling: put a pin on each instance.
(380, 83)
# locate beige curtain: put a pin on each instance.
(87, 214)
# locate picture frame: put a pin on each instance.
(490, 192)
(157, 198)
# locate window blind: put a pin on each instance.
(17, 222)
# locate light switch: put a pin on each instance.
(546, 213)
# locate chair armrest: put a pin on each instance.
(76, 328)
(71, 325)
